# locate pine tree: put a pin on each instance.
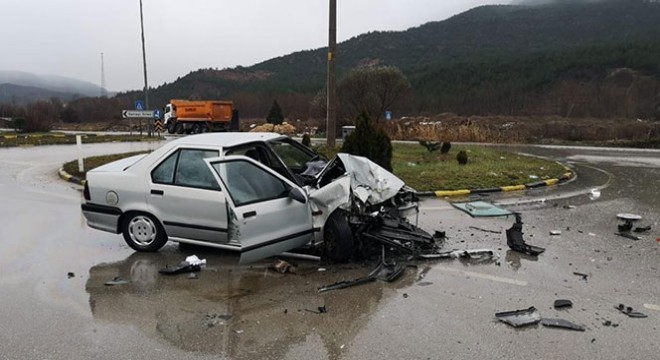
(369, 140)
(275, 116)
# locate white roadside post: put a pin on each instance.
(80, 160)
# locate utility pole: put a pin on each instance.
(144, 65)
(104, 91)
(332, 85)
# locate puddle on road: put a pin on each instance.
(242, 312)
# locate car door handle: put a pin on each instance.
(249, 214)
(157, 192)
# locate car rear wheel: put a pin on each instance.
(143, 232)
(338, 238)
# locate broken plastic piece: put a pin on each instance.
(642, 229)
(182, 267)
(561, 323)
(194, 260)
(555, 232)
(116, 281)
(630, 312)
(70, 275)
(515, 241)
(519, 318)
(584, 276)
(627, 235)
(563, 303)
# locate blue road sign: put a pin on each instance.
(139, 105)
(156, 114)
(388, 115)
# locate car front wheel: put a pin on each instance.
(338, 238)
(143, 232)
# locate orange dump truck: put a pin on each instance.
(185, 116)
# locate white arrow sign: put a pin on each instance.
(137, 114)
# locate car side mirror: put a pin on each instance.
(297, 195)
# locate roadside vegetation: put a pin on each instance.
(35, 139)
(428, 171)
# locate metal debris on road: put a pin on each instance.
(628, 236)
(584, 276)
(555, 232)
(629, 311)
(561, 323)
(485, 230)
(515, 240)
(563, 303)
(70, 275)
(518, 318)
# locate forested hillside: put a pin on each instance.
(566, 58)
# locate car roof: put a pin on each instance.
(225, 139)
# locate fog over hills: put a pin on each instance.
(44, 86)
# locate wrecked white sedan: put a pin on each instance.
(257, 193)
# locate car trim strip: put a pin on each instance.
(275, 241)
(101, 209)
(192, 226)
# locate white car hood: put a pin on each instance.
(119, 165)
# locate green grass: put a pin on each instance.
(425, 171)
(486, 168)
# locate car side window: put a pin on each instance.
(164, 173)
(187, 168)
(248, 183)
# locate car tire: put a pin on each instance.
(179, 128)
(143, 232)
(338, 238)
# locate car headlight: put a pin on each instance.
(111, 198)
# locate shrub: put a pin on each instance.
(306, 140)
(462, 157)
(369, 140)
(275, 116)
(446, 146)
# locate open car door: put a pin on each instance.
(264, 218)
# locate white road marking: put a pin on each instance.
(483, 276)
(652, 307)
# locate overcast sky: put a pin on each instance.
(67, 37)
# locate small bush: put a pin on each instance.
(462, 157)
(371, 141)
(446, 146)
(306, 140)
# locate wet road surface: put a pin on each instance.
(438, 309)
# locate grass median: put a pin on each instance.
(430, 171)
(55, 138)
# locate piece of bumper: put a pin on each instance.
(100, 217)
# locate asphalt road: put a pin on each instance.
(437, 310)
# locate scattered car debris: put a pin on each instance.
(283, 267)
(481, 209)
(387, 270)
(321, 310)
(518, 318)
(116, 281)
(555, 232)
(629, 311)
(594, 194)
(627, 235)
(70, 275)
(563, 303)
(485, 230)
(192, 276)
(478, 254)
(191, 264)
(642, 229)
(424, 283)
(569, 207)
(211, 320)
(515, 240)
(628, 220)
(584, 276)
(561, 323)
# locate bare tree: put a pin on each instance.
(373, 90)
